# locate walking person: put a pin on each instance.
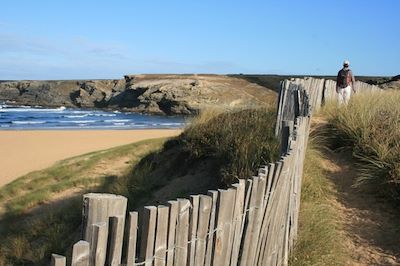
(345, 83)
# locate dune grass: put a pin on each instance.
(41, 211)
(240, 140)
(319, 240)
(370, 126)
(218, 147)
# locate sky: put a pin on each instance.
(87, 39)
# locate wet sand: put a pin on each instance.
(29, 150)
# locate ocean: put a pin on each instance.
(36, 117)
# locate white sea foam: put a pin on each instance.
(116, 120)
(77, 121)
(103, 114)
(28, 122)
(75, 116)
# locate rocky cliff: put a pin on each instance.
(393, 83)
(156, 94)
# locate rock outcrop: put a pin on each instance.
(393, 83)
(156, 94)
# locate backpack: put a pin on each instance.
(343, 78)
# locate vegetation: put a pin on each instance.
(369, 125)
(319, 240)
(40, 213)
(215, 150)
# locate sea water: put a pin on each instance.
(36, 117)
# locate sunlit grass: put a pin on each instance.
(319, 241)
(370, 126)
(31, 227)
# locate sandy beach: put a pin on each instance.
(24, 151)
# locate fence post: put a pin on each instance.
(98, 244)
(98, 208)
(116, 232)
(182, 232)
(161, 236)
(148, 235)
(173, 219)
(132, 238)
(205, 204)
(80, 254)
(210, 242)
(58, 260)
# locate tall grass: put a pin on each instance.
(319, 239)
(218, 147)
(240, 140)
(370, 126)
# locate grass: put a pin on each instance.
(34, 223)
(215, 150)
(370, 126)
(319, 239)
(240, 140)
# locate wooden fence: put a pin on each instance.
(254, 222)
(319, 91)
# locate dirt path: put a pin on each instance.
(372, 227)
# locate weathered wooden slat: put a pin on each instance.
(182, 232)
(247, 244)
(58, 260)
(148, 235)
(237, 218)
(267, 206)
(161, 235)
(210, 242)
(132, 238)
(205, 205)
(194, 215)
(258, 216)
(270, 238)
(80, 254)
(224, 224)
(116, 237)
(98, 244)
(248, 192)
(173, 220)
(232, 199)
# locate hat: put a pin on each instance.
(346, 62)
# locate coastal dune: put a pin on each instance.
(29, 150)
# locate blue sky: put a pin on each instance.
(107, 39)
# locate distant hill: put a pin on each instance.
(156, 94)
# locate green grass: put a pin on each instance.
(31, 230)
(240, 140)
(370, 127)
(215, 150)
(319, 239)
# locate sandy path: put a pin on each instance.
(370, 223)
(24, 151)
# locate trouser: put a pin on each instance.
(344, 95)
